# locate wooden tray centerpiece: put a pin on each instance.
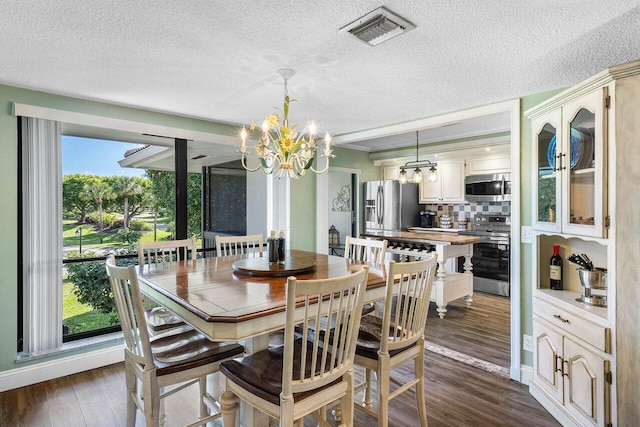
(260, 266)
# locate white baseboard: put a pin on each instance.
(57, 368)
(526, 374)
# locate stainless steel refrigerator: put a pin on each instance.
(390, 206)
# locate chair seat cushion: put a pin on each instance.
(370, 335)
(161, 318)
(368, 308)
(261, 373)
(186, 350)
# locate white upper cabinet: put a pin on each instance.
(569, 154)
(486, 165)
(449, 185)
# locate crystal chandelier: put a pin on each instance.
(417, 173)
(281, 148)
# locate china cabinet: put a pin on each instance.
(449, 185)
(584, 179)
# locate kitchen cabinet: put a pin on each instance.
(449, 185)
(569, 153)
(393, 172)
(567, 371)
(487, 165)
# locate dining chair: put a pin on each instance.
(160, 254)
(366, 250)
(209, 243)
(239, 245)
(305, 375)
(386, 343)
(172, 359)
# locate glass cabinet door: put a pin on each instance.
(547, 174)
(583, 166)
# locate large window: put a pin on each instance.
(79, 202)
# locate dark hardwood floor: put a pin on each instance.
(458, 394)
(481, 331)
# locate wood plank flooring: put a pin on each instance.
(481, 331)
(457, 394)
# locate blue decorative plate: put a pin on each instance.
(576, 149)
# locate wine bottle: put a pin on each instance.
(555, 269)
(281, 247)
(272, 247)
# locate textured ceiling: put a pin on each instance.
(217, 60)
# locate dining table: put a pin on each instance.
(243, 298)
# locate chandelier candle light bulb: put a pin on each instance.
(281, 148)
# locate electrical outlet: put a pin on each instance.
(525, 234)
(527, 343)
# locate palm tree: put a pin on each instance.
(126, 186)
(99, 191)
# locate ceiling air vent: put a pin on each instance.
(377, 26)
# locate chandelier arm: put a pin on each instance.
(244, 165)
(326, 167)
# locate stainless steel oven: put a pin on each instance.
(491, 256)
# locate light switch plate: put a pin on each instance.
(525, 234)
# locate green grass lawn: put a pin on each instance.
(80, 317)
(91, 236)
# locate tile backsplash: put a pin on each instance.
(468, 210)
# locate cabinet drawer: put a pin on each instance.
(596, 335)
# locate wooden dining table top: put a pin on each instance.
(227, 304)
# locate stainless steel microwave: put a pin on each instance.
(488, 188)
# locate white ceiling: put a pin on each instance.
(217, 60)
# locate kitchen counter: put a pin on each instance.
(448, 286)
(434, 238)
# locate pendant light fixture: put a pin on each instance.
(417, 172)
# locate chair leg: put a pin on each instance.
(131, 382)
(151, 398)
(368, 401)
(202, 384)
(229, 408)
(383, 390)
(420, 395)
(346, 402)
(286, 411)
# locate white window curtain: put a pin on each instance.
(42, 235)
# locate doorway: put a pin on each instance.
(338, 199)
(518, 299)
(341, 209)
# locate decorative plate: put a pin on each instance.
(577, 141)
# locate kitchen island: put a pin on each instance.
(448, 285)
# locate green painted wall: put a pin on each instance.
(303, 196)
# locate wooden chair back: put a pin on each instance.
(166, 252)
(367, 250)
(406, 304)
(325, 360)
(239, 245)
(126, 293)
